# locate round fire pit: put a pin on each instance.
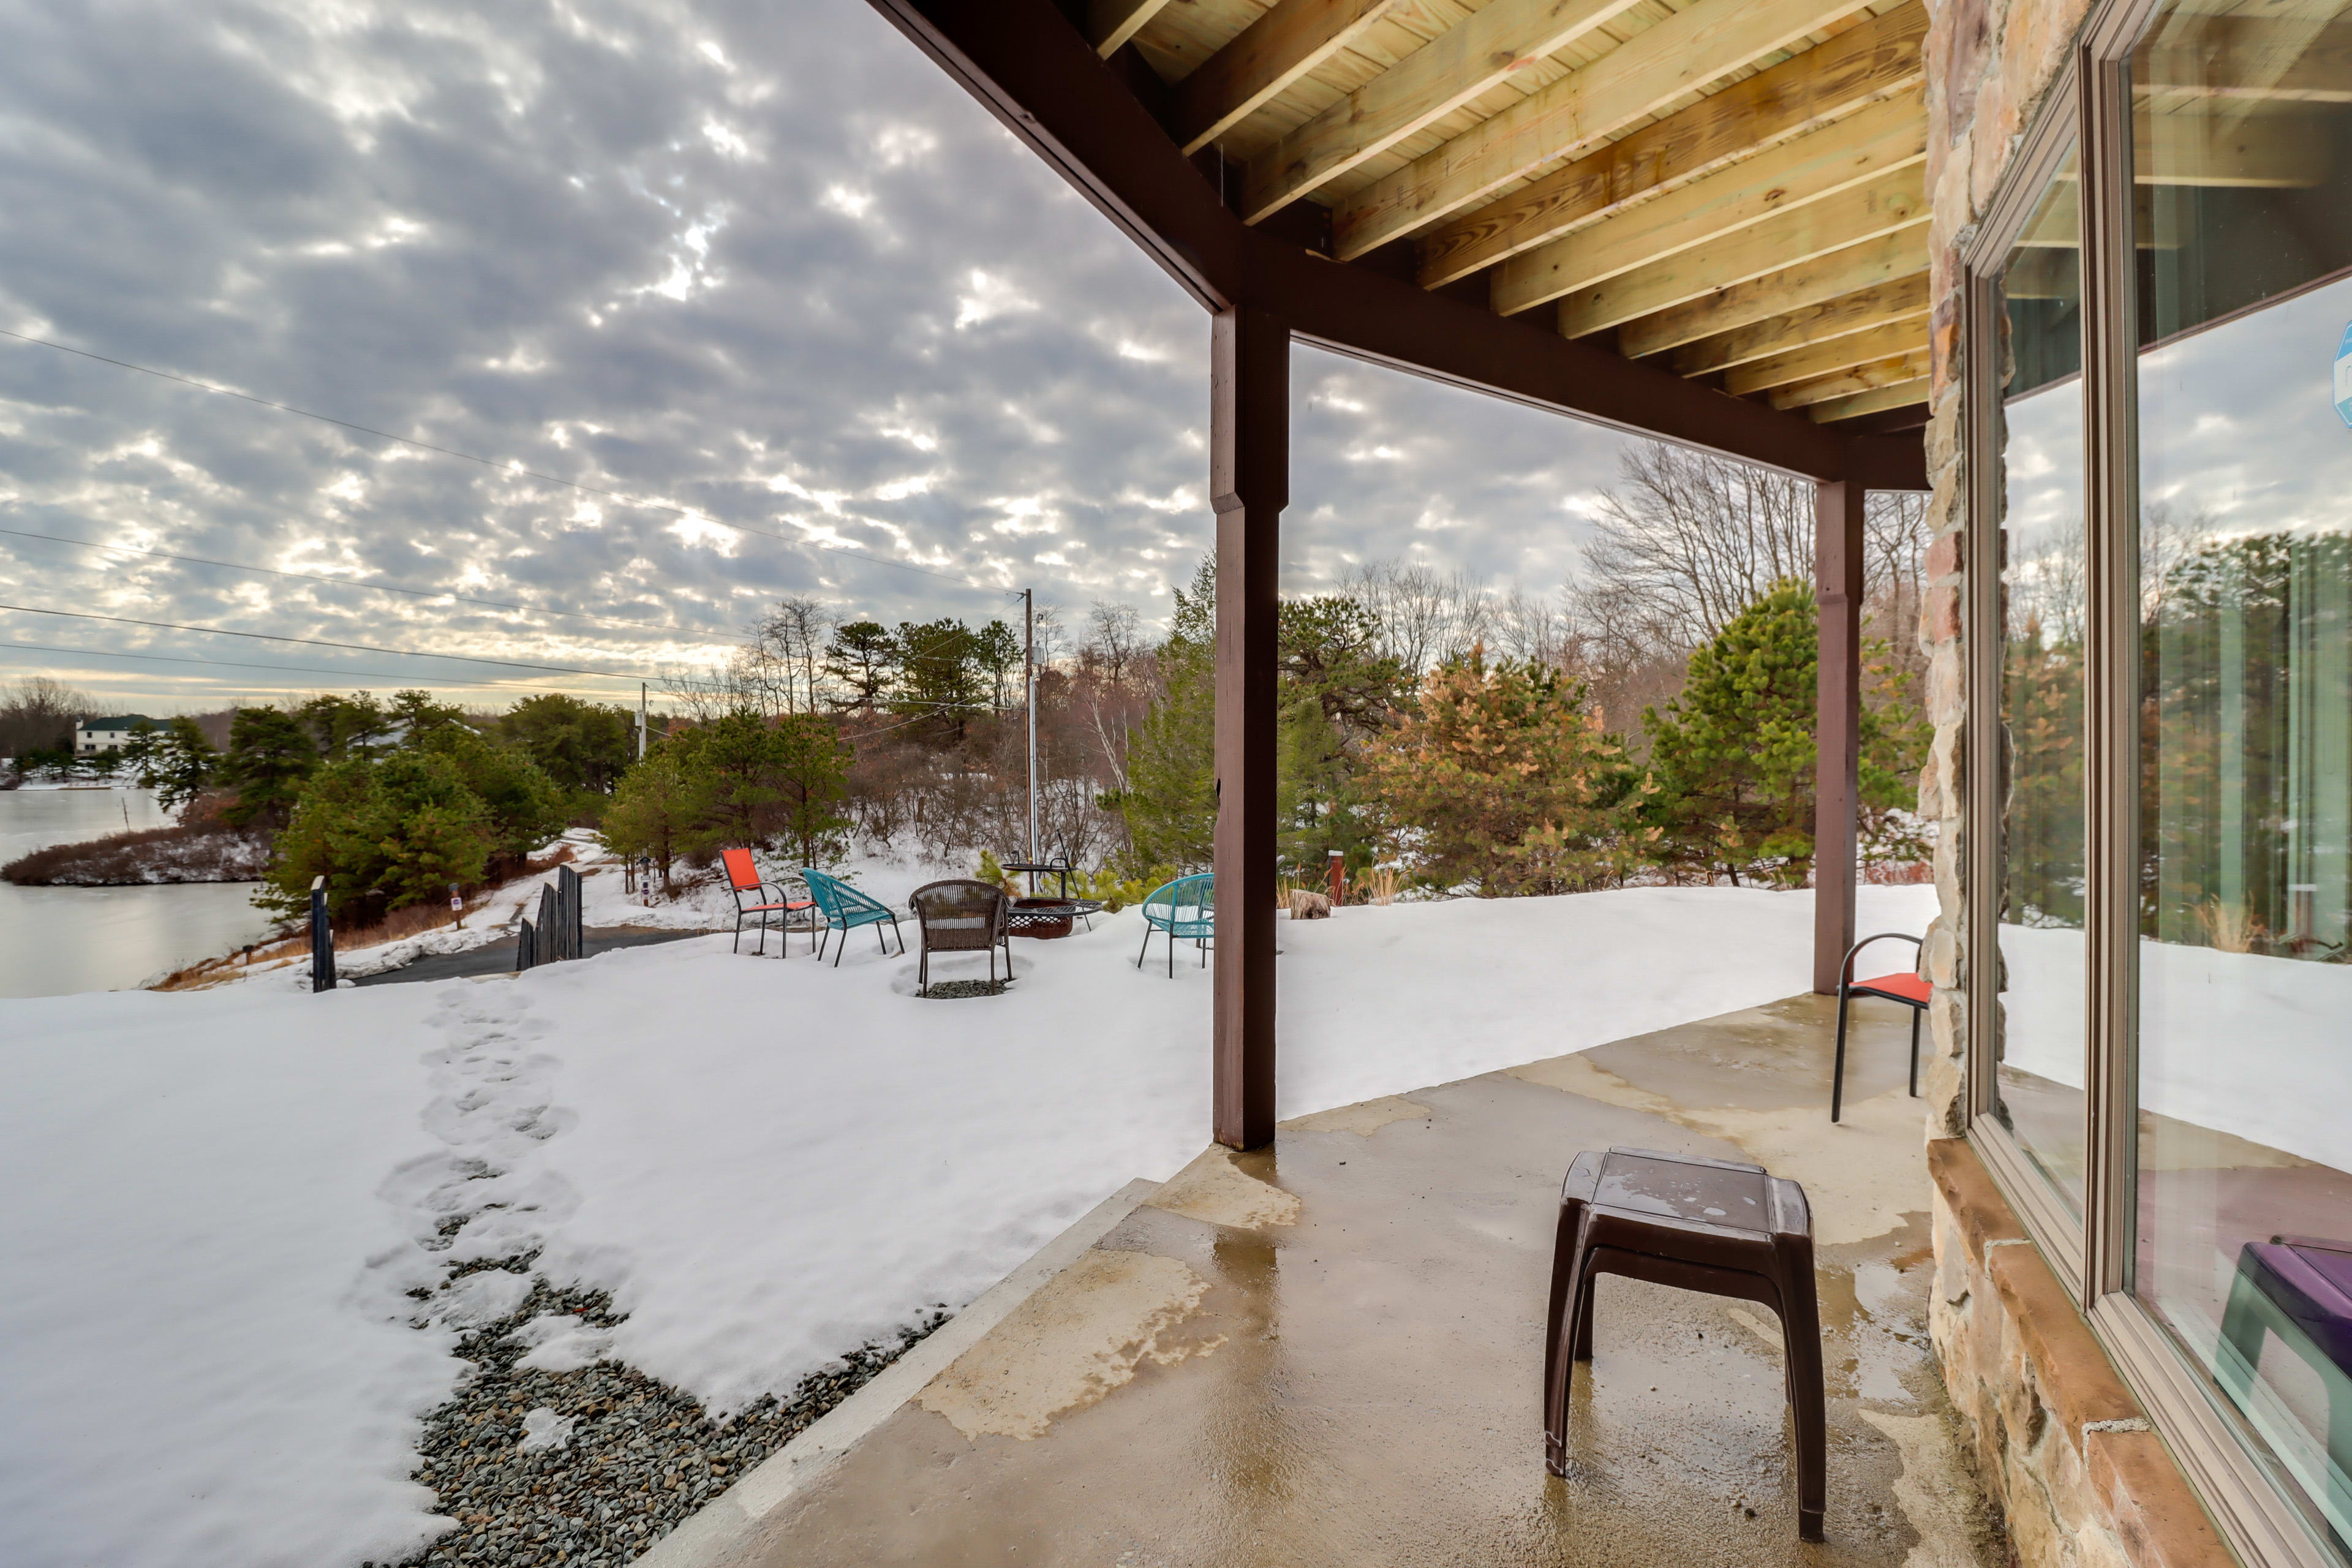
(1044, 919)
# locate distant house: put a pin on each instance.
(108, 734)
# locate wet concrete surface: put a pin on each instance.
(1330, 1351)
(499, 957)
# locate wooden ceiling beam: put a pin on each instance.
(1871, 61)
(1828, 357)
(1889, 205)
(1824, 322)
(1896, 370)
(1282, 45)
(1834, 357)
(1826, 278)
(1905, 395)
(2276, 58)
(1483, 50)
(1111, 23)
(1665, 61)
(1880, 141)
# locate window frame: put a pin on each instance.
(2251, 1502)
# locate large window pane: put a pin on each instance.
(2242, 156)
(2038, 1087)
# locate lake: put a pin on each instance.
(57, 941)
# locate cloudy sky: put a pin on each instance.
(756, 264)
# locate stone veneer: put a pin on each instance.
(2057, 1439)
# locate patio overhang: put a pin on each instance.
(1108, 125)
(1705, 226)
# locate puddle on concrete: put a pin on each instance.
(1364, 1118)
(1215, 1189)
(1070, 1344)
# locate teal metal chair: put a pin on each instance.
(844, 909)
(1186, 908)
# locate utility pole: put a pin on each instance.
(1029, 702)
(640, 721)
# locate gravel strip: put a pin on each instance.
(593, 1466)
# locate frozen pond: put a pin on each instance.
(57, 941)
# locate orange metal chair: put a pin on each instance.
(755, 896)
(1908, 989)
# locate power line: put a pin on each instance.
(320, 642)
(492, 462)
(286, 669)
(355, 583)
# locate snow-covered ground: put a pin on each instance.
(219, 1199)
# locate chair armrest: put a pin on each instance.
(1846, 970)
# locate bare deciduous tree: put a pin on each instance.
(40, 713)
(1425, 617)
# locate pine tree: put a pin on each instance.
(1500, 781)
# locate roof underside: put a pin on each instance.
(1729, 189)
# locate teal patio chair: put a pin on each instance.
(1185, 907)
(844, 909)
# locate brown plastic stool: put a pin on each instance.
(1698, 1224)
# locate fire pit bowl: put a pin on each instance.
(1044, 919)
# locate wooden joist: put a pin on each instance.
(1815, 282)
(2281, 58)
(1816, 360)
(1880, 141)
(1860, 312)
(2202, 147)
(1111, 23)
(1877, 58)
(1894, 370)
(1480, 52)
(1891, 205)
(1282, 45)
(1878, 401)
(1668, 60)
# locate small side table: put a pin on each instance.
(1698, 1224)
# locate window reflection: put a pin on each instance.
(2038, 1087)
(2244, 238)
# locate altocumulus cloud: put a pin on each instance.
(758, 264)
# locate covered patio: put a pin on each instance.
(1328, 1350)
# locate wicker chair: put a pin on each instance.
(962, 916)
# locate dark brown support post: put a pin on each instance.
(1249, 484)
(1837, 728)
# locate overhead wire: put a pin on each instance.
(515, 468)
(322, 642)
(356, 583)
(286, 669)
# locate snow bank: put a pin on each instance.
(188, 1373)
(217, 1198)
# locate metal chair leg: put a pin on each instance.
(1837, 1074)
(1146, 947)
(1916, 1013)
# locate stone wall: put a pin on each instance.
(1991, 63)
(2057, 1439)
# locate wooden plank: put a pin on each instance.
(2201, 147)
(1816, 360)
(1271, 53)
(1905, 395)
(1825, 322)
(1111, 23)
(2281, 58)
(1894, 370)
(1823, 278)
(1484, 50)
(1878, 57)
(1887, 205)
(1632, 81)
(1879, 141)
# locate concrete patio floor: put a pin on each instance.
(1330, 1351)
